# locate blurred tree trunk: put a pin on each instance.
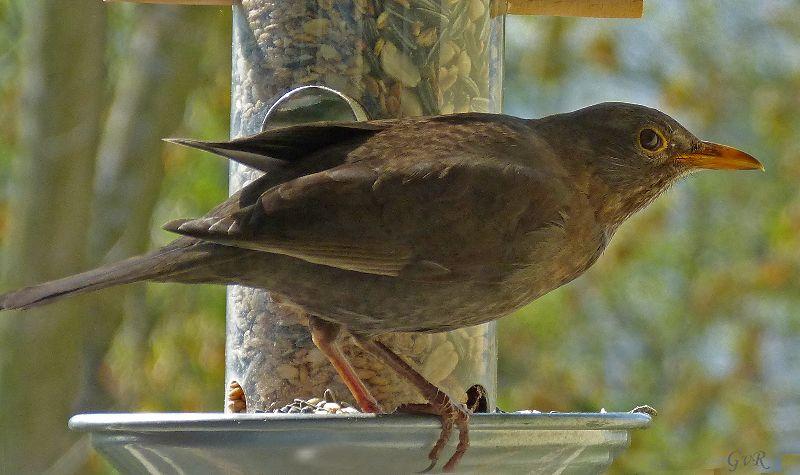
(159, 72)
(63, 72)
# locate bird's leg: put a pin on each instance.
(324, 334)
(452, 412)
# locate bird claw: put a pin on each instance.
(453, 415)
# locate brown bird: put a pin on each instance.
(420, 224)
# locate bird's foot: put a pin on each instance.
(453, 415)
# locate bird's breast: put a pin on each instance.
(559, 253)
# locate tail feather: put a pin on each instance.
(135, 269)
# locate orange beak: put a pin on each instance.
(714, 156)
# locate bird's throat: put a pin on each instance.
(621, 199)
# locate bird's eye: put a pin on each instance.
(650, 140)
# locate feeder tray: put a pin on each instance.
(213, 443)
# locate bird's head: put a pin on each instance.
(632, 153)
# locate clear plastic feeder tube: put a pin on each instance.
(396, 58)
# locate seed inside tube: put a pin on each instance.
(434, 58)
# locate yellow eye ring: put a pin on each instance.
(651, 140)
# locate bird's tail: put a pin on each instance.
(144, 267)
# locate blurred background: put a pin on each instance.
(693, 309)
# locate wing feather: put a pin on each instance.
(264, 151)
(454, 203)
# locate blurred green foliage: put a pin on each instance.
(172, 358)
(9, 39)
(693, 308)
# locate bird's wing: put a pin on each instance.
(434, 221)
(274, 148)
(286, 153)
(440, 198)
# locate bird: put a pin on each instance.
(420, 224)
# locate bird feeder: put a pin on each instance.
(374, 59)
(310, 60)
(390, 59)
